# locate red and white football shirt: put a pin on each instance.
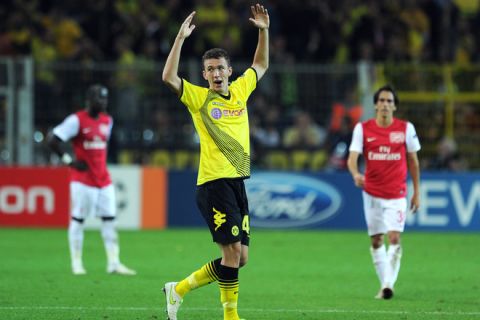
(89, 137)
(385, 152)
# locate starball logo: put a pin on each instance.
(217, 113)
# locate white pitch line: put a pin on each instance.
(436, 313)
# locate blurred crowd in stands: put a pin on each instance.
(327, 31)
(140, 32)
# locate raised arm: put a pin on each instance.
(261, 20)
(170, 71)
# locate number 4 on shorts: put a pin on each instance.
(246, 224)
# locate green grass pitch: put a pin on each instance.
(290, 275)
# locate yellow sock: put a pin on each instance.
(229, 299)
(205, 275)
(228, 283)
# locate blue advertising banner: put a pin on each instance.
(182, 206)
(449, 202)
(293, 200)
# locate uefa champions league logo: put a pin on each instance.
(216, 113)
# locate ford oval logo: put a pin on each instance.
(286, 200)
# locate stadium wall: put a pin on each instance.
(153, 198)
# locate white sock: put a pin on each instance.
(110, 240)
(394, 255)
(75, 240)
(379, 257)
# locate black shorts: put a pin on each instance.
(224, 206)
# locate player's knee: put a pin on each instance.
(394, 240)
(394, 237)
(231, 253)
(377, 241)
(243, 261)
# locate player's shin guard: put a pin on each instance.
(228, 283)
(394, 256)
(75, 240)
(110, 240)
(207, 274)
(380, 261)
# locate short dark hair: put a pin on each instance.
(215, 53)
(96, 91)
(388, 88)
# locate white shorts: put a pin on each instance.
(87, 201)
(383, 215)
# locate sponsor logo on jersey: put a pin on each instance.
(286, 200)
(384, 153)
(96, 144)
(234, 112)
(397, 137)
(371, 139)
(216, 113)
(384, 156)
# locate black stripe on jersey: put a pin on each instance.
(230, 147)
(256, 74)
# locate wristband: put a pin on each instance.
(66, 159)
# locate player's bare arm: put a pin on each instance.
(170, 71)
(414, 168)
(261, 20)
(352, 164)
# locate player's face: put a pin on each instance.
(385, 104)
(98, 101)
(98, 104)
(217, 72)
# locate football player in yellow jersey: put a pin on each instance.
(220, 116)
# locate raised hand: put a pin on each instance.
(260, 19)
(186, 28)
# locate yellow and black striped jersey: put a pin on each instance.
(222, 125)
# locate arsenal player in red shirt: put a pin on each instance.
(389, 146)
(91, 189)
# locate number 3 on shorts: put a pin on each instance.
(246, 224)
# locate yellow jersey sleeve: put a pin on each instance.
(193, 96)
(246, 83)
